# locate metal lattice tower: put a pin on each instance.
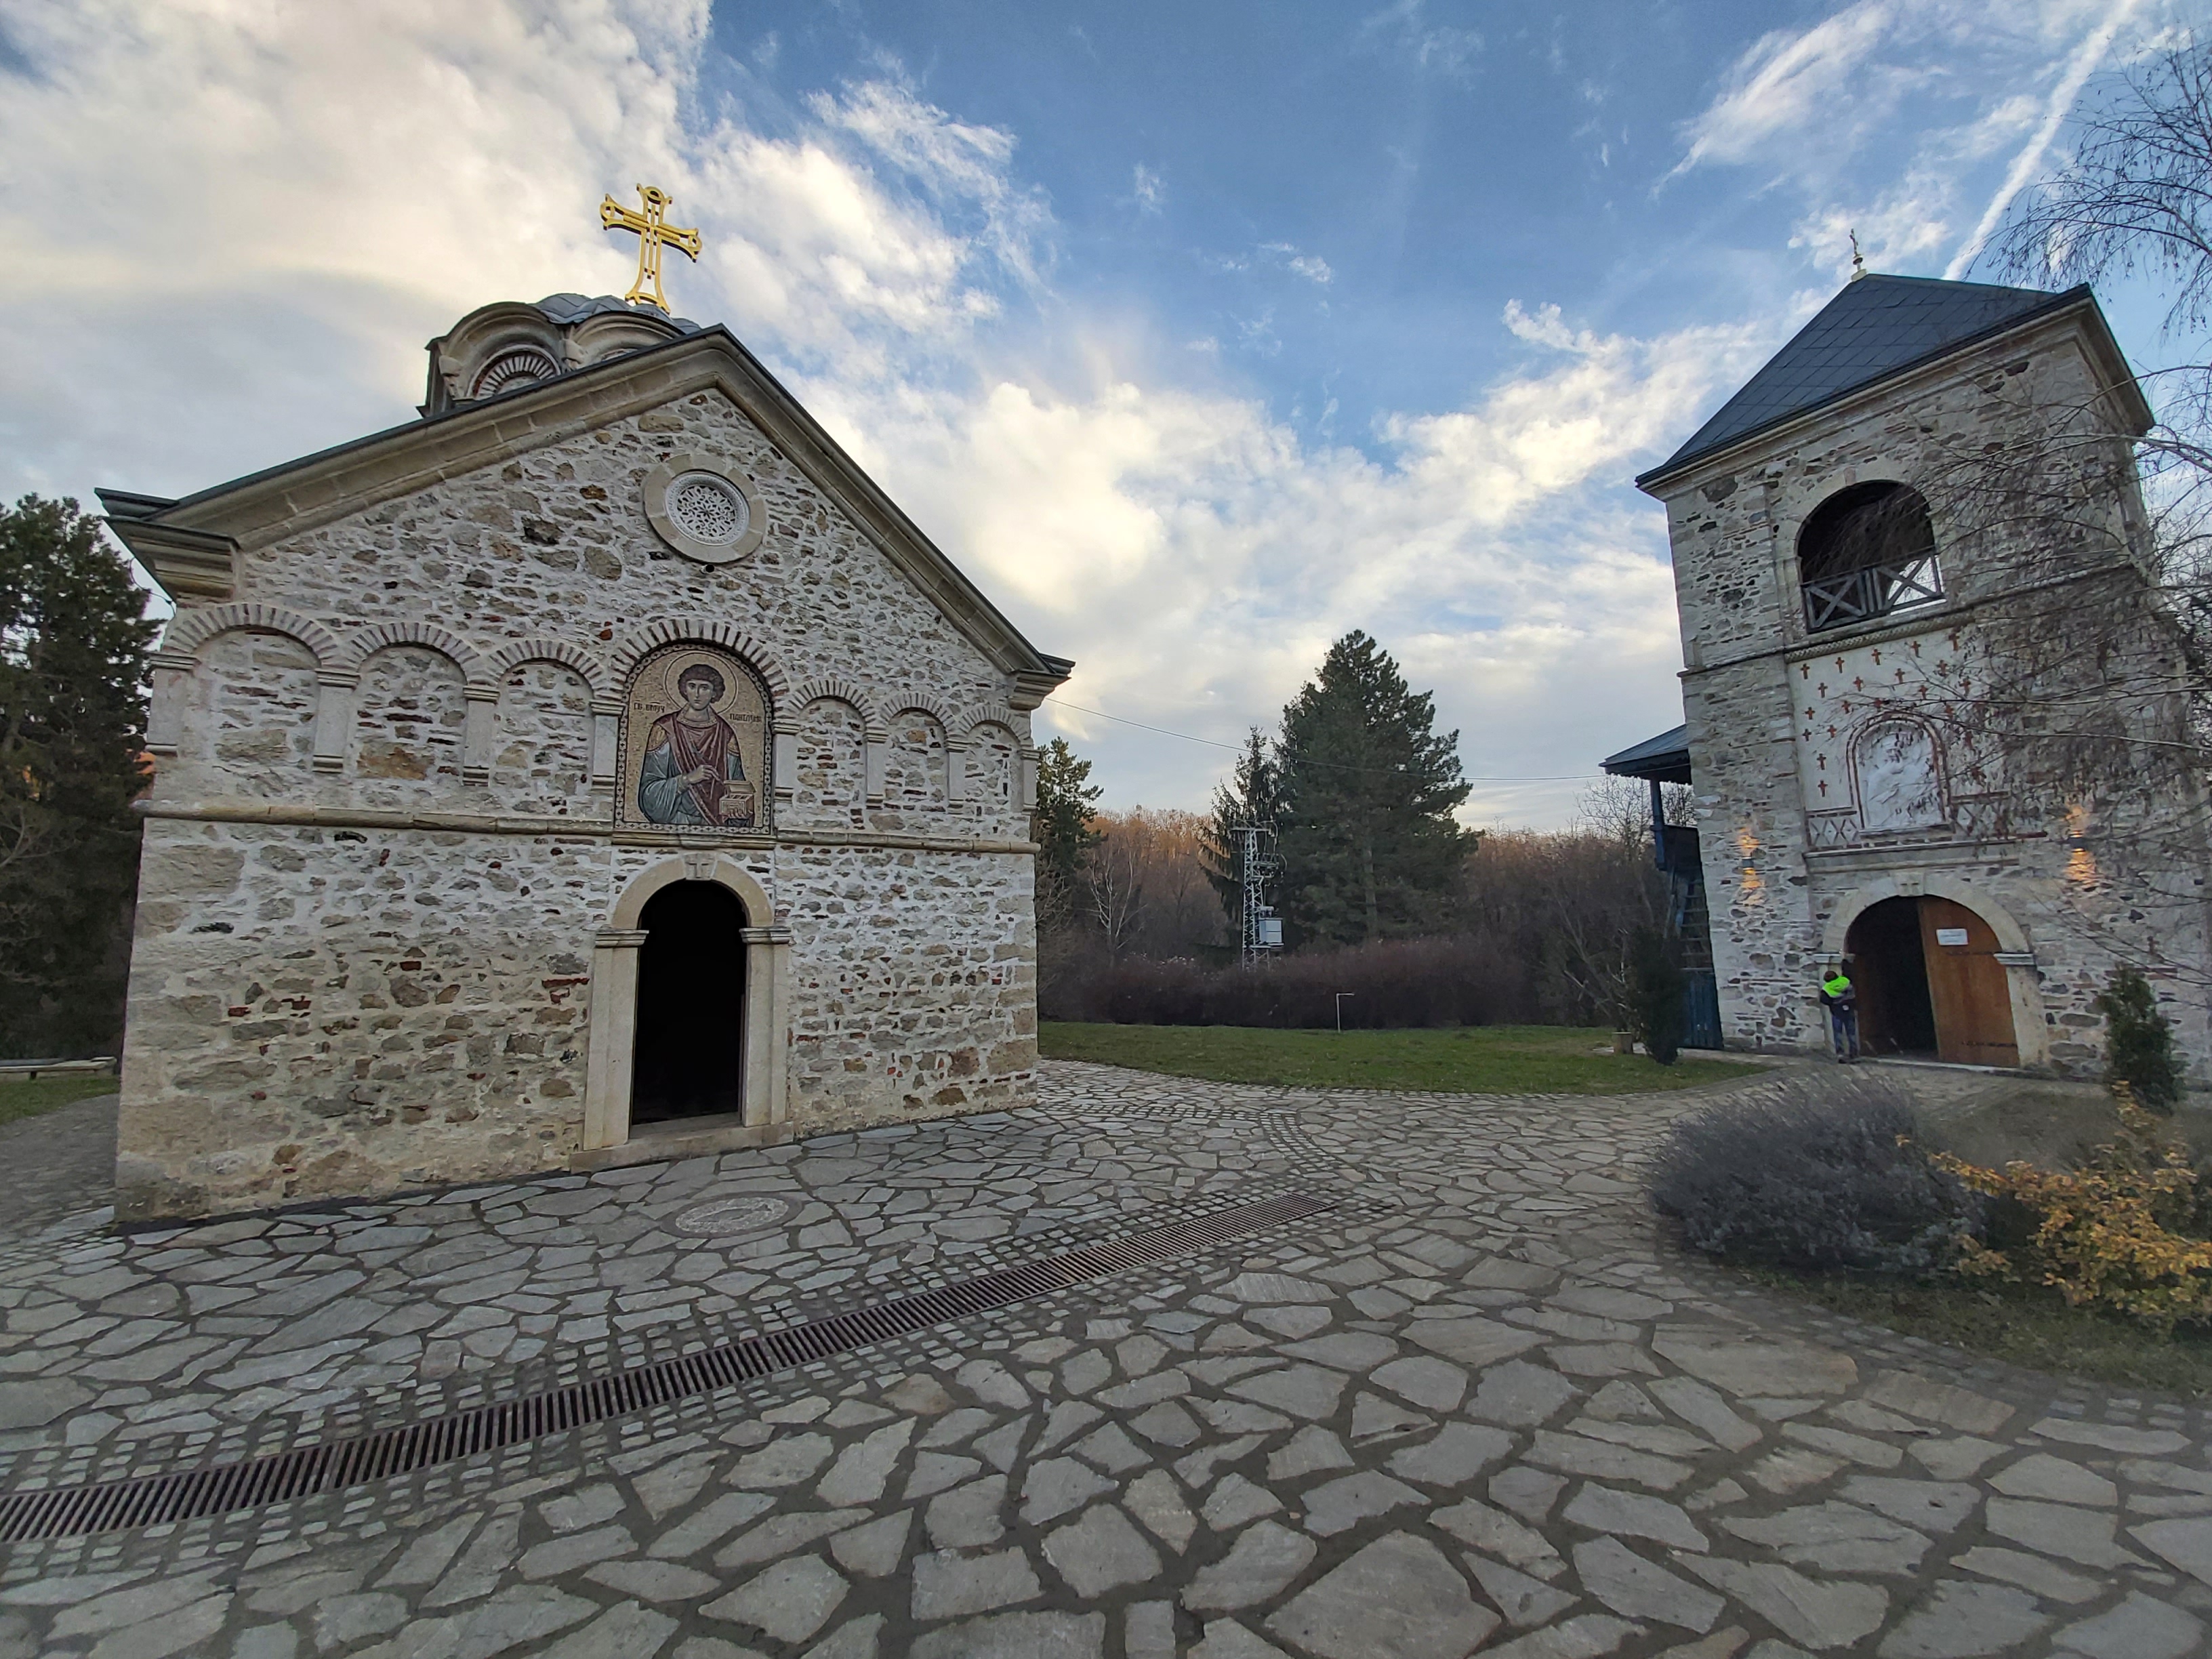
(1263, 928)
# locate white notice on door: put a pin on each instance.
(1950, 936)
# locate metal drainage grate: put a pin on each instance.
(155, 1499)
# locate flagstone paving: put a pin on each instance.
(1476, 1407)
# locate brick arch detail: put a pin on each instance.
(904, 703)
(452, 647)
(989, 714)
(643, 640)
(582, 662)
(190, 631)
(845, 692)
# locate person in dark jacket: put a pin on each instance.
(1841, 999)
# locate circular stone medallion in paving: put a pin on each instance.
(725, 1216)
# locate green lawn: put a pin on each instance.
(1484, 1060)
(43, 1094)
(2026, 1326)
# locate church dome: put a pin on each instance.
(508, 345)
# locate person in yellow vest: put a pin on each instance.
(1841, 998)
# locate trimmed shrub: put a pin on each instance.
(1838, 1181)
(2138, 1043)
(1394, 984)
(1657, 990)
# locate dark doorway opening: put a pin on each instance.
(690, 1057)
(1890, 969)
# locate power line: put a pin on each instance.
(1238, 748)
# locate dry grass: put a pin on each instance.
(2030, 1327)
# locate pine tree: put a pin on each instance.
(1369, 845)
(1062, 828)
(73, 643)
(2139, 1041)
(1252, 796)
(1656, 987)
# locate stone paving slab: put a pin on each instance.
(1477, 1408)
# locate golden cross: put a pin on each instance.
(653, 230)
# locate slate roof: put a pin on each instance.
(1666, 757)
(566, 309)
(1878, 326)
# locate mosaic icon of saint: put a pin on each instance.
(691, 757)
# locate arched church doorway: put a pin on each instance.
(690, 1057)
(1891, 972)
(1929, 983)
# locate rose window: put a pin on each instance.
(707, 509)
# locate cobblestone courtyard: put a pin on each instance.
(1473, 1405)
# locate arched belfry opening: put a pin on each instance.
(1866, 551)
(1929, 983)
(689, 1055)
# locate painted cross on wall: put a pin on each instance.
(1886, 740)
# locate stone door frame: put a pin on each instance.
(613, 1037)
(2016, 951)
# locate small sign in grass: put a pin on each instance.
(1483, 1060)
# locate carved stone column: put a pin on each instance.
(768, 1023)
(481, 731)
(613, 1041)
(334, 717)
(165, 711)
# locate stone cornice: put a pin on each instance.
(285, 813)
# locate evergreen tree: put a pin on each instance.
(1369, 845)
(1656, 987)
(1252, 795)
(1062, 828)
(2139, 1041)
(73, 643)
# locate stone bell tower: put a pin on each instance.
(1859, 686)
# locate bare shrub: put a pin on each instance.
(1393, 983)
(1835, 1179)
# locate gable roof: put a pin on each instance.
(188, 544)
(1878, 326)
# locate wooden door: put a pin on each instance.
(1966, 985)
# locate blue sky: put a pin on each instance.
(1195, 333)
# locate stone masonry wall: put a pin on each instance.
(318, 1012)
(345, 1007)
(542, 755)
(1733, 532)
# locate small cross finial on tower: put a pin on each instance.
(1858, 259)
(652, 232)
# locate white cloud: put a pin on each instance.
(1197, 558)
(1435, 48)
(1940, 80)
(1787, 81)
(1311, 266)
(274, 207)
(960, 167)
(2079, 64)
(1148, 192)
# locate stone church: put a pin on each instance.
(1910, 551)
(599, 768)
